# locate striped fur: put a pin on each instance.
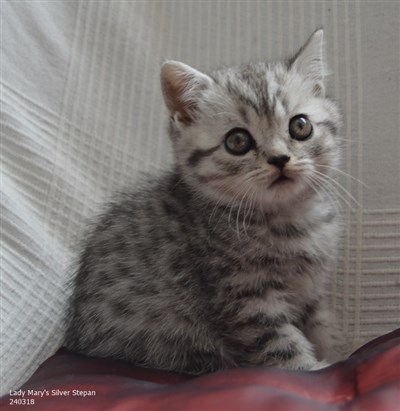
(216, 264)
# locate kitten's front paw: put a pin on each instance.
(319, 365)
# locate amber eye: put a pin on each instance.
(300, 127)
(238, 141)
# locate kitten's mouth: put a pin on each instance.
(280, 181)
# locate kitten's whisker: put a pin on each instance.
(245, 212)
(216, 206)
(348, 175)
(338, 185)
(328, 184)
(333, 193)
(319, 186)
(219, 113)
(247, 178)
(263, 177)
(238, 211)
(231, 204)
(302, 162)
(220, 201)
(251, 208)
(348, 140)
(253, 202)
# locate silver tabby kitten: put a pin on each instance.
(223, 261)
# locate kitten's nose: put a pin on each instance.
(278, 161)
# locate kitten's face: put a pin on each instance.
(262, 133)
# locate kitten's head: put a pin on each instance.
(260, 132)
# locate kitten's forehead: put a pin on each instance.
(266, 88)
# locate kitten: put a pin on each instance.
(223, 261)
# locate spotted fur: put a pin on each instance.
(220, 263)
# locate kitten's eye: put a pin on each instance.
(300, 127)
(238, 141)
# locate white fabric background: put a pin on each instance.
(82, 115)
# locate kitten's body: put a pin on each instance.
(219, 263)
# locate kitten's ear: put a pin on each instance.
(310, 60)
(182, 87)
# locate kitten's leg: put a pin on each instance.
(322, 331)
(284, 346)
(291, 349)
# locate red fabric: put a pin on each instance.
(367, 381)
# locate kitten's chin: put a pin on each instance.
(282, 180)
(284, 190)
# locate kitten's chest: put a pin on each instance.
(274, 290)
(286, 263)
(291, 246)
